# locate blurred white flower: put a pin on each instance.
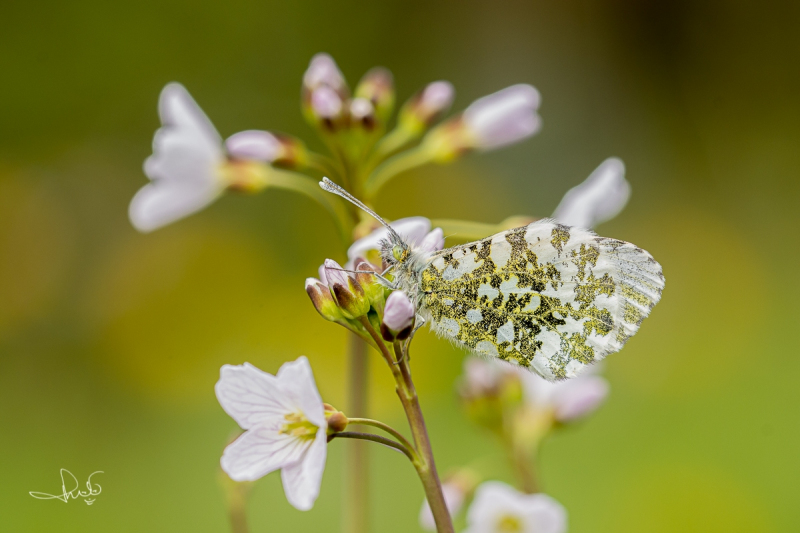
(568, 399)
(254, 144)
(453, 493)
(285, 425)
(484, 376)
(185, 165)
(322, 71)
(499, 508)
(504, 117)
(415, 230)
(599, 198)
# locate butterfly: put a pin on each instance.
(547, 297)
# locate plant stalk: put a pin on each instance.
(355, 518)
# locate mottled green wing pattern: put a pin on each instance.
(546, 296)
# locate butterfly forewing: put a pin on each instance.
(546, 296)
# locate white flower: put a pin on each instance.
(254, 144)
(568, 399)
(504, 117)
(185, 165)
(286, 428)
(453, 498)
(415, 230)
(601, 197)
(498, 508)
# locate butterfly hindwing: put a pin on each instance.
(546, 296)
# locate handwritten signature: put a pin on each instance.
(68, 479)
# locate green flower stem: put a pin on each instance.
(374, 438)
(464, 230)
(424, 463)
(356, 513)
(524, 465)
(324, 164)
(402, 162)
(391, 143)
(292, 181)
(385, 427)
(236, 495)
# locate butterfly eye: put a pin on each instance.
(398, 253)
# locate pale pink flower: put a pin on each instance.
(285, 425)
(499, 508)
(185, 166)
(415, 230)
(399, 312)
(504, 117)
(254, 144)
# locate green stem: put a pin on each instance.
(324, 164)
(424, 463)
(356, 513)
(385, 427)
(374, 438)
(392, 167)
(292, 181)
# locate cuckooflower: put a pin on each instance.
(499, 508)
(569, 399)
(504, 117)
(284, 419)
(415, 230)
(323, 71)
(427, 106)
(189, 168)
(599, 198)
(185, 167)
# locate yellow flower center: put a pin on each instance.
(297, 425)
(509, 524)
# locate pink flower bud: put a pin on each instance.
(347, 292)
(325, 103)
(334, 274)
(377, 87)
(436, 99)
(254, 144)
(323, 71)
(399, 312)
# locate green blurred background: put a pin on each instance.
(111, 341)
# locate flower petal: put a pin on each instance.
(301, 481)
(297, 382)
(251, 396)
(599, 198)
(261, 450)
(504, 117)
(412, 229)
(579, 397)
(545, 514)
(433, 241)
(157, 204)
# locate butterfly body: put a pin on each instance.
(548, 297)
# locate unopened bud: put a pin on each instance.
(377, 87)
(337, 421)
(348, 293)
(273, 148)
(427, 106)
(365, 275)
(322, 299)
(326, 107)
(362, 113)
(323, 71)
(398, 316)
(496, 120)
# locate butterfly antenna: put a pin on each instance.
(330, 186)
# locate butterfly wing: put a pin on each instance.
(549, 297)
